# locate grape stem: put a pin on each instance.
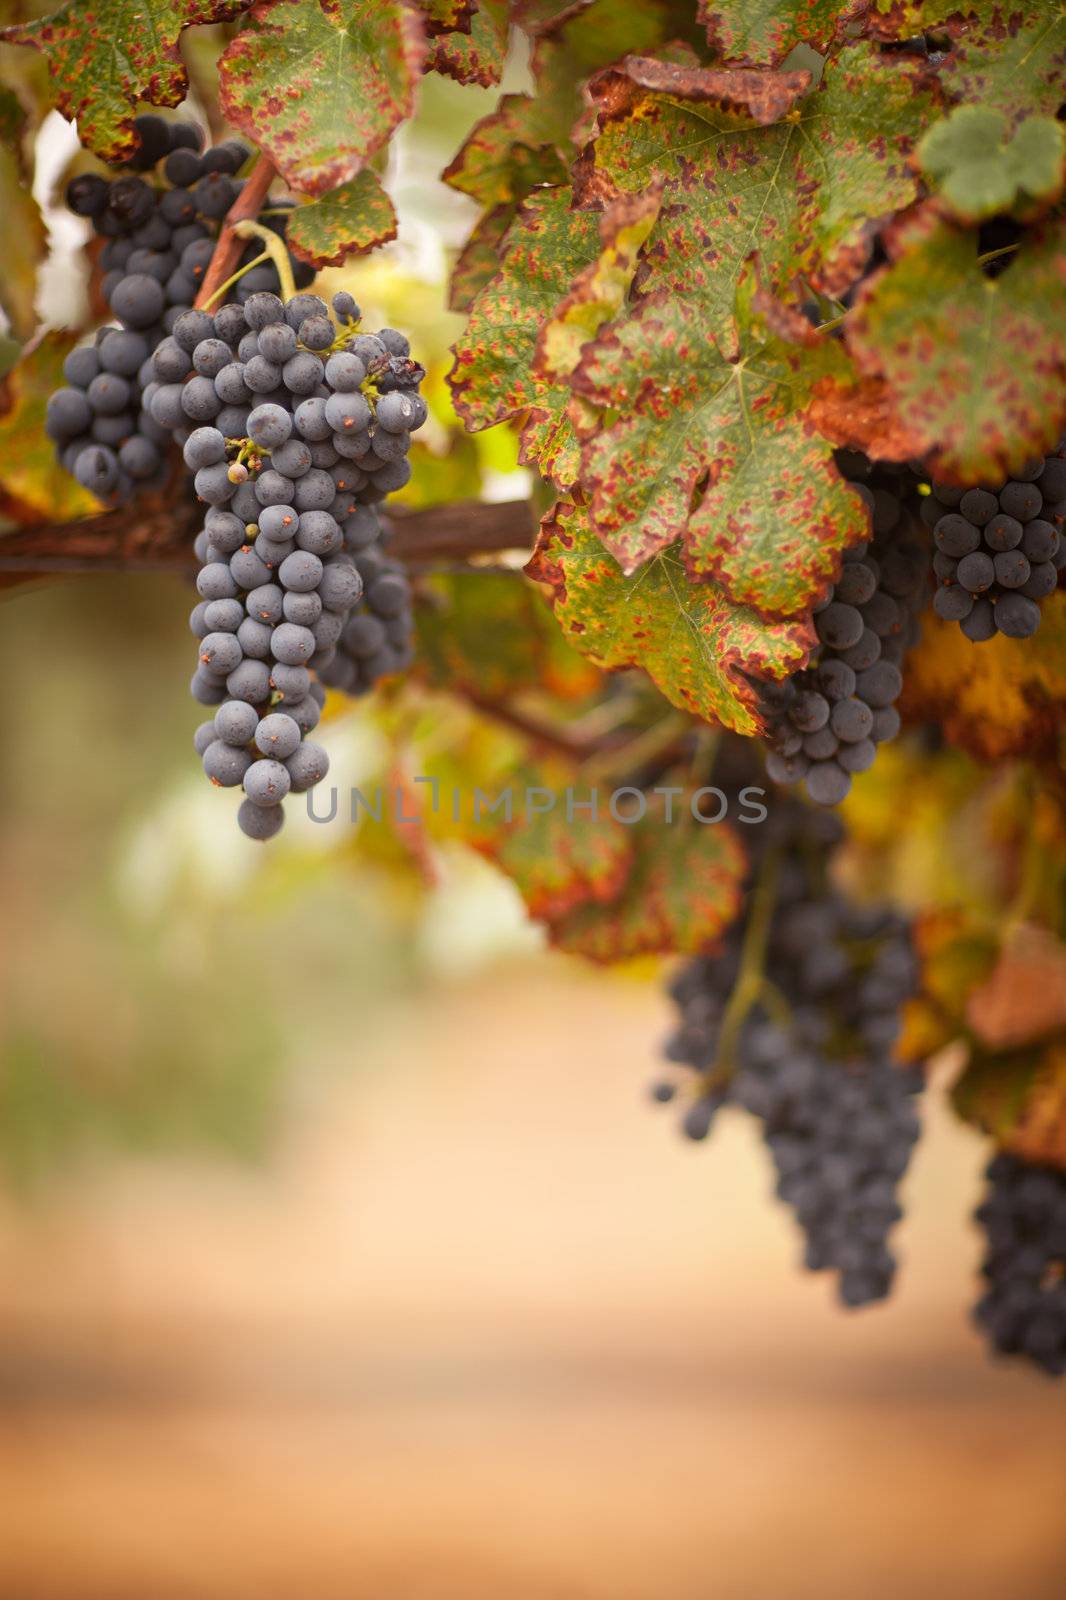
(235, 277)
(230, 245)
(274, 246)
(751, 986)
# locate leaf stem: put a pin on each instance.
(994, 255)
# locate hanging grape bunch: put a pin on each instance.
(999, 550)
(160, 231)
(300, 428)
(794, 1019)
(1023, 1309)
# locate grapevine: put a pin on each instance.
(762, 311)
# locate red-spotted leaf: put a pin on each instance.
(321, 84)
(352, 219)
(761, 33)
(599, 290)
(447, 16)
(719, 450)
(33, 486)
(975, 366)
(558, 856)
(105, 55)
(764, 96)
(528, 139)
(508, 153)
(492, 377)
(682, 890)
(699, 649)
(804, 193)
(477, 56)
(1009, 55)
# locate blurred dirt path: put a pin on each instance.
(486, 1328)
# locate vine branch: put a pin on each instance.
(230, 245)
(157, 533)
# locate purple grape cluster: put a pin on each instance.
(999, 550)
(296, 428)
(812, 1058)
(825, 722)
(1023, 1217)
(160, 234)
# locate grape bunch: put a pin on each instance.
(160, 237)
(999, 550)
(809, 1053)
(1023, 1216)
(825, 722)
(296, 429)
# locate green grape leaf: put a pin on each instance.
(479, 259)
(699, 649)
(975, 366)
(558, 861)
(477, 56)
(682, 890)
(447, 16)
(805, 193)
(351, 220)
(494, 635)
(982, 167)
(33, 486)
(493, 377)
(25, 233)
(105, 55)
(319, 85)
(719, 450)
(761, 33)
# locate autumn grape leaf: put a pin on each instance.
(775, 516)
(599, 290)
(477, 56)
(760, 33)
(682, 890)
(997, 700)
(528, 139)
(698, 648)
(479, 259)
(33, 486)
(105, 55)
(507, 154)
(25, 234)
(493, 377)
(976, 365)
(805, 193)
(352, 219)
(983, 167)
(494, 635)
(1008, 54)
(447, 16)
(321, 84)
(1019, 1097)
(558, 858)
